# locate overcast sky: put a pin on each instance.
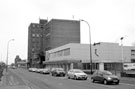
(109, 20)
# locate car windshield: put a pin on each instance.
(107, 73)
(60, 69)
(78, 71)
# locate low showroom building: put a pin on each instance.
(105, 56)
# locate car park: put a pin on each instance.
(77, 74)
(58, 72)
(105, 77)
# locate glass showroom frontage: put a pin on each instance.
(65, 64)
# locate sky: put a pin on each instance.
(109, 20)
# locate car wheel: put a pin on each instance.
(68, 77)
(61, 75)
(105, 82)
(85, 78)
(55, 74)
(92, 80)
(117, 83)
(75, 77)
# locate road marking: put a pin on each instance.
(30, 87)
(10, 82)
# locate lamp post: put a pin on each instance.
(121, 53)
(7, 53)
(90, 46)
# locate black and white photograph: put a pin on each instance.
(67, 44)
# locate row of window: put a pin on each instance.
(64, 52)
(36, 35)
(132, 52)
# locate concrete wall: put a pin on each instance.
(105, 52)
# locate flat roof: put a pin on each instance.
(61, 61)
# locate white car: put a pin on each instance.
(45, 71)
(32, 69)
(77, 74)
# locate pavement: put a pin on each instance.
(3, 83)
(3, 79)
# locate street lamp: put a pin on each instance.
(7, 53)
(121, 53)
(90, 46)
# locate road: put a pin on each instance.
(23, 77)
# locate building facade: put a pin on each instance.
(60, 32)
(17, 59)
(105, 56)
(45, 35)
(22, 64)
(35, 42)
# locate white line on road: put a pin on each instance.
(30, 87)
(10, 82)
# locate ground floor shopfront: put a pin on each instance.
(103, 66)
(105, 56)
(77, 64)
(65, 64)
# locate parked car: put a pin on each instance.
(77, 74)
(45, 71)
(32, 69)
(14, 67)
(58, 72)
(105, 77)
(38, 70)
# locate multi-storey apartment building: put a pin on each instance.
(60, 32)
(45, 35)
(35, 41)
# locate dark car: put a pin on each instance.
(105, 77)
(58, 72)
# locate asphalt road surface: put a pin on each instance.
(22, 77)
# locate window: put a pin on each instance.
(33, 25)
(37, 35)
(132, 52)
(66, 52)
(133, 60)
(48, 34)
(32, 49)
(59, 53)
(33, 40)
(33, 35)
(41, 35)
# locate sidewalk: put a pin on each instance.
(3, 79)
